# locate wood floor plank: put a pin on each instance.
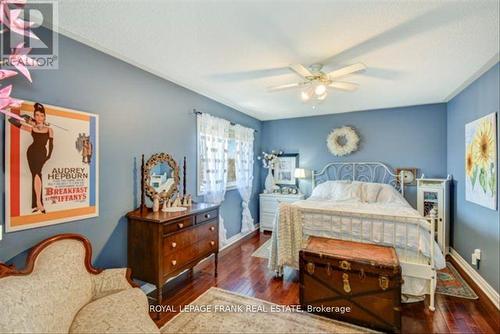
(240, 272)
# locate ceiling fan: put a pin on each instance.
(317, 82)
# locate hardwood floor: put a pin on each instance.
(247, 275)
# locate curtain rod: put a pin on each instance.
(197, 112)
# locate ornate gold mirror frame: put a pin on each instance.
(146, 175)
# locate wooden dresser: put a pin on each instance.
(162, 245)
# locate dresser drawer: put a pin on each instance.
(175, 260)
(180, 240)
(207, 246)
(176, 241)
(209, 230)
(177, 225)
(192, 253)
(202, 217)
(266, 221)
(269, 205)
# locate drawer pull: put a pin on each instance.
(174, 244)
(212, 228)
(174, 262)
(180, 225)
(212, 243)
(207, 215)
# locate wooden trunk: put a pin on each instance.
(336, 275)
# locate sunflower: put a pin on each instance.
(484, 145)
(469, 161)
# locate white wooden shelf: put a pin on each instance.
(439, 189)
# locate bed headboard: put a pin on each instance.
(358, 171)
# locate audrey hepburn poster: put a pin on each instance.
(51, 163)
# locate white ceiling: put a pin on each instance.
(417, 52)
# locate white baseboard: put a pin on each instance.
(237, 237)
(478, 279)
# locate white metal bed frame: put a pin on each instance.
(380, 173)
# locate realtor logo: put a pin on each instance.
(39, 19)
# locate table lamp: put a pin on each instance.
(300, 173)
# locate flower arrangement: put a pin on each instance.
(269, 160)
(10, 11)
(480, 157)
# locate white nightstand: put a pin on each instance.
(269, 204)
(435, 193)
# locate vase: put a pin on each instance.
(269, 184)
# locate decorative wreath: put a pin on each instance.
(342, 141)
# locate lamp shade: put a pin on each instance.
(300, 173)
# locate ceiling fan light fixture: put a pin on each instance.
(305, 96)
(320, 90)
(315, 83)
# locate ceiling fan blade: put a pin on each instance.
(349, 86)
(300, 70)
(346, 70)
(286, 86)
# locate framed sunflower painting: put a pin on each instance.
(481, 161)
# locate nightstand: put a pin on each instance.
(435, 193)
(269, 203)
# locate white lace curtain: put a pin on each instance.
(244, 138)
(213, 139)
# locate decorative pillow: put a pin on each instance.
(388, 194)
(369, 191)
(347, 190)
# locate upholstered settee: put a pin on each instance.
(59, 291)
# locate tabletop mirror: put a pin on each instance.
(161, 176)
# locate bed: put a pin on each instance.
(364, 202)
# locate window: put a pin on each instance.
(231, 165)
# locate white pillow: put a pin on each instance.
(325, 190)
(369, 191)
(388, 194)
(347, 190)
(322, 191)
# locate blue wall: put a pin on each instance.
(139, 113)
(400, 137)
(473, 226)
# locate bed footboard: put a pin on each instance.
(416, 251)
